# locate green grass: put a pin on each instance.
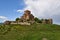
(32, 32)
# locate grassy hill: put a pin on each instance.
(32, 32)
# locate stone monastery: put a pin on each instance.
(27, 19)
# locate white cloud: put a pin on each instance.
(3, 18)
(20, 11)
(43, 8)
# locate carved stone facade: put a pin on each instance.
(27, 16)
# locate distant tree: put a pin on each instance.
(37, 20)
(17, 19)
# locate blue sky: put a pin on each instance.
(8, 8)
(11, 9)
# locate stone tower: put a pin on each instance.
(27, 16)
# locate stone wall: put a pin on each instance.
(7, 22)
(47, 21)
(14, 22)
(22, 23)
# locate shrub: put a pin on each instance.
(37, 20)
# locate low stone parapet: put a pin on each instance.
(22, 23)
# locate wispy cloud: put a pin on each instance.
(20, 11)
(3, 18)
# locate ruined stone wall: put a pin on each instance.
(47, 21)
(7, 22)
(50, 21)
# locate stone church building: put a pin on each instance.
(28, 18)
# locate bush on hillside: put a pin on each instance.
(17, 19)
(37, 20)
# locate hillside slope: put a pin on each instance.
(32, 32)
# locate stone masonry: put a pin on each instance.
(27, 16)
